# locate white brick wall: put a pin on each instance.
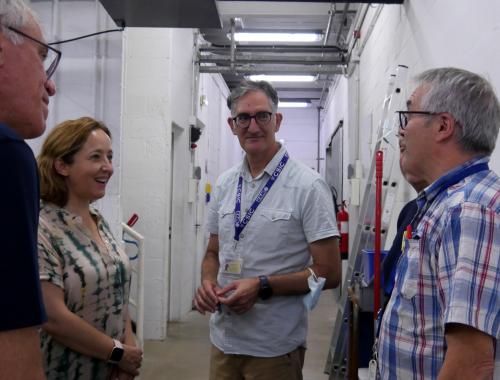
(146, 161)
(79, 78)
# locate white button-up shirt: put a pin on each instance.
(297, 211)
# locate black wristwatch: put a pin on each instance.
(116, 353)
(265, 290)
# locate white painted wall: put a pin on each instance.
(183, 247)
(158, 167)
(422, 34)
(299, 129)
(88, 80)
(146, 171)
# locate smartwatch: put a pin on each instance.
(116, 353)
(265, 290)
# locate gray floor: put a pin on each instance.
(184, 354)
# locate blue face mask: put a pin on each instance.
(315, 287)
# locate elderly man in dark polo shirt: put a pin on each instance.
(26, 65)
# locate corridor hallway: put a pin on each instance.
(184, 355)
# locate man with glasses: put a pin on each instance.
(442, 320)
(272, 233)
(25, 88)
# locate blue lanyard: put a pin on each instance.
(240, 225)
(453, 180)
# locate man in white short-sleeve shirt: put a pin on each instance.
(272, 224)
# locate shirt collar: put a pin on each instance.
(7, 131)
(269, 169)
(67, 216)
(431, 191)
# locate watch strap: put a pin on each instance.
(116, 353)
(265, 290)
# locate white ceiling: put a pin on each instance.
(285, 17)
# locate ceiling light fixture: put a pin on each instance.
(277, 37)
(289, 104)
(283, 78)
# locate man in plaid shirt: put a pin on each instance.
(442, 321)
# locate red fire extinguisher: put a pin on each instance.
(343, 226)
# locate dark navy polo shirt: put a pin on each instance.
(21, 302)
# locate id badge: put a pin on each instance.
(233, 267)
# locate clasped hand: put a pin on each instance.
(239, 296)
(131, 360)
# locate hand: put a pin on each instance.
(118, 374)
(131, 360)
(240, 295)
(206, 297)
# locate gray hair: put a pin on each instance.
(248, 86)
(16, 14)
(470, 99)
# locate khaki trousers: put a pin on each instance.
(243, 367)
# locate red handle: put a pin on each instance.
(133, 220)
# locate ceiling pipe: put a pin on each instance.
(271, 60)
(329, 25)
(327, 81)
(357, 24)
(306, 49)
(273, 69)
(341, 24)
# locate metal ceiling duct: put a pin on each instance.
(164, 13)
(221, 54)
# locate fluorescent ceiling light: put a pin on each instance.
(283, 78)
(289, 104)
(277, 37)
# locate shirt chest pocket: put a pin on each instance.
(226, 224)
(411, 277)
(272, 226)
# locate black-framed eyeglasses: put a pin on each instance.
(243, 120)
(52, 58)
(404, 116)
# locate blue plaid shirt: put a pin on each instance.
(448, 273)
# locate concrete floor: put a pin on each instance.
(184, 355)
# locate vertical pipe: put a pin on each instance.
(328, 30)
(100, 66)
(331, 12)
(233, 43)
(319, 140)
(140, 293)
(378, 225)
(55, 34)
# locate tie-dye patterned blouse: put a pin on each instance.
(95, 282)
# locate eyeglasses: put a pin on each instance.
(243, 119)
(404, 118)
(51, 56)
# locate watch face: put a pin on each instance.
(116, 354)
(265, 291)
